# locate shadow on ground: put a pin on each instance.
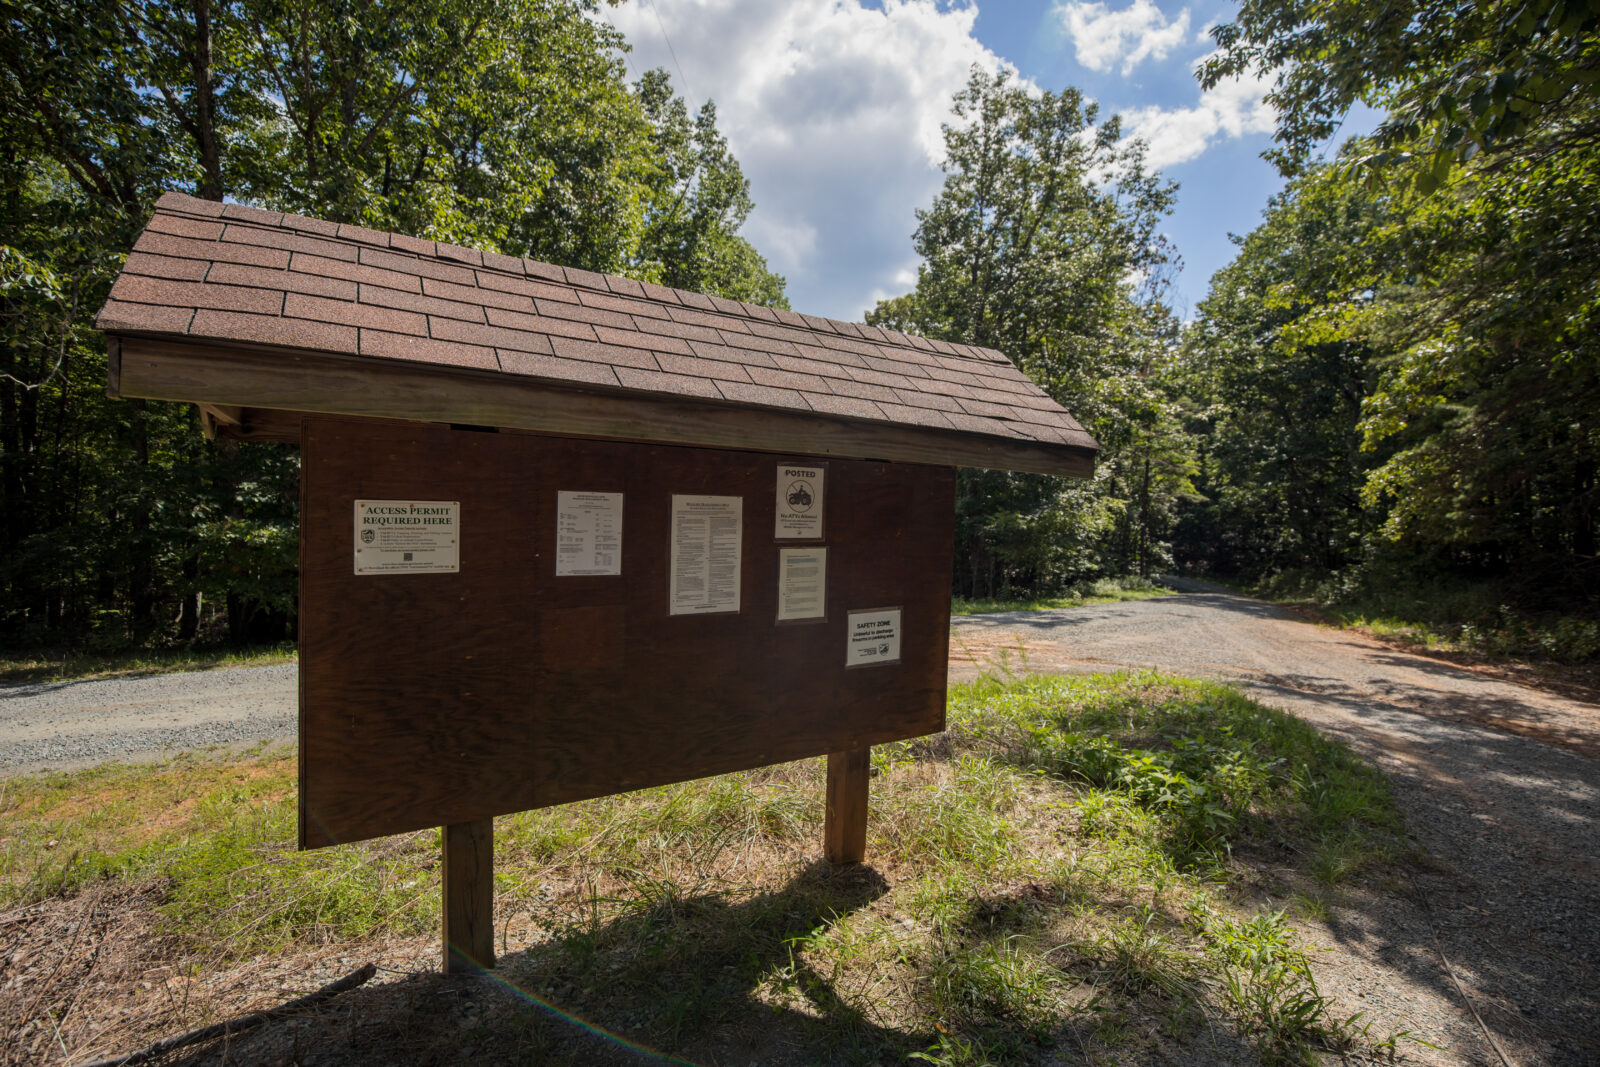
(678, 982)
(680, 974)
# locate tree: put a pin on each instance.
(1485, 406)
(505, 124)
(1473, 292)
(699, 198)
(1279, 389)
(1036, 245)
(1457, 77)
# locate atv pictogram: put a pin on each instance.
(799, 496)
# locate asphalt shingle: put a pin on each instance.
(232, 273)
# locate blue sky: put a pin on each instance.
(833, 108)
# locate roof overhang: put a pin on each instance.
(260, 392)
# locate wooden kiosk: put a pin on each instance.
(565, 534)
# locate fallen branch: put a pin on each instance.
(241, 1024)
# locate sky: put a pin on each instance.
(833, 108)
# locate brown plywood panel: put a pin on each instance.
(430, 699)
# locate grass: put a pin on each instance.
(1443, 614)
(1074, 865)
(1102, 591)
(75, 666)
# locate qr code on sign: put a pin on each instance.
(407, 557)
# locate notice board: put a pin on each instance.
(534, 656)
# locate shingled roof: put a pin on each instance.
(355, 314)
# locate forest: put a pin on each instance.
(1385, 402)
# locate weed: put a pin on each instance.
(1313, 906)
(1267, 985)
(1139, 952)
(78, 666)
(1101, 591)
(993, 981)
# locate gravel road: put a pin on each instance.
(1500, 785)
(74, 724)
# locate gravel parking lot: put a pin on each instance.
(75, 724)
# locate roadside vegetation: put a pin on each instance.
(1092, 867)
(1451, 616)
(1101, 591)
(63, 666)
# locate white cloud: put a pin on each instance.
(834, 112)
(1232, 108)
(1138, 32)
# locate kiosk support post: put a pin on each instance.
(468, 896)
(845, 829)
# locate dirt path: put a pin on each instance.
(1499, 784)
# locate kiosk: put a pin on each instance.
(566, 534)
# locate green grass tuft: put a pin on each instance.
(1101, 591)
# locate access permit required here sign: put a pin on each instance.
(407, 536)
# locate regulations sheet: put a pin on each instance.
(707, 535)
(588, 533)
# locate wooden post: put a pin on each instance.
(845, 829)
(469, 896)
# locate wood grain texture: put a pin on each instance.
(844, 831)
(430, 699)
(387, 388)
(468, 889)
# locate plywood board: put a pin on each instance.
(430, 699)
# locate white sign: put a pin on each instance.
(407, 536)
(799, 503)
(872, 637)
(802, 583)
(706, 535)
(588, 533)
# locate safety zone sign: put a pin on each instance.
(872, 637)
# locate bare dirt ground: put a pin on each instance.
(1499, 784)
(1488, 950)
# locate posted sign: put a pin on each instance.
(800, 496)
(407, 536)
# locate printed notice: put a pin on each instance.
(802, 583)
(799, 503)
(706, 533)
(872, 637)
(588, 533)
(401, 536)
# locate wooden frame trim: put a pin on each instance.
(221, 376)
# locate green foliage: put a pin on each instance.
(56, 666)
(699, 198)
(1209, 765)
(1450, 262)
(1392, 395)
(1030, 250)
(1099, 591)
(1267, 984)
(1457, 79)
(504, 125)
(1276, 390)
